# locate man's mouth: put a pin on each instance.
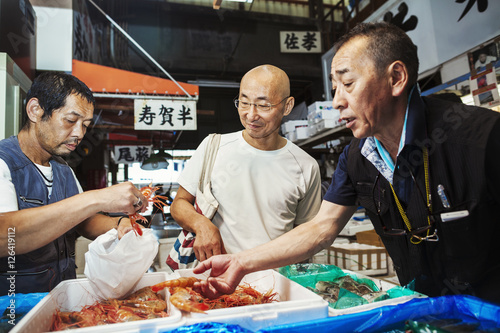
(348, 120)
(71, 145)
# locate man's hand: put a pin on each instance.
(208, 241)
(125, 227)
(121, 198)
(225, 275)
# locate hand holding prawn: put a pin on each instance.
(148, 193)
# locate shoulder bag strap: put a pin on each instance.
(209, 159)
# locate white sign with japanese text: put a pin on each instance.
(300, 42)
(131, 154)
(163, 114)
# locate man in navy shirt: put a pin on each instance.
(418, 165)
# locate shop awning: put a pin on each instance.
(103, 79)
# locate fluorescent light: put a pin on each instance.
(215, 83)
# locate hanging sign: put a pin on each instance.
(300, 42)
(131, 154)
(484, 88)
(162, 114)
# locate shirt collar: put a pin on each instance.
(414, 130)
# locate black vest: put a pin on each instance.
(465, 260)
(42, 269)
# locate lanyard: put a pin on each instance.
(415, 239)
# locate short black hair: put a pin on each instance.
(386, 43)
(52, 88)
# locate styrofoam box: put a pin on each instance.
(302, 132)
(324, 114)
(353, 226)
(319, 106)
(383, 286)
(295, 303)
(72, 295)
(325, 124)
(166, 245)
(290, 125)
(292, 136)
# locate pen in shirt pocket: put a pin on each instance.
(451, 216)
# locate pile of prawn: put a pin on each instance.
(143, 304)
(146, 303)
(186, 299)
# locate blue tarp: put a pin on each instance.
(14, 307)
(393, 317)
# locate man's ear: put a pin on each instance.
(290, 102)
(399, 77)
(34, 110)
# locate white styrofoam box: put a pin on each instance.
(290, 125)
(81, 246)
(368, 259)
(292, 136)
(166, 245)
(354, 226)
(383, 286)
(321, 257)
(327, 114)
(324, 114)
(325, 124)
(328, 105)
(311, 129)
(302, 132)
(295, 303)
(72, 295)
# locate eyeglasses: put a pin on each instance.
(416, 235)
(242, 105)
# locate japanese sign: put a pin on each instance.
(131, 154)
(300, 42)
(162, 114)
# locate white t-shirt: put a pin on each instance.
(8, 190)
(261, 194)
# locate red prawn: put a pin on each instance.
(148, 192)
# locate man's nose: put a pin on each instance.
(339, 102)
(252, 111)
(79, 131)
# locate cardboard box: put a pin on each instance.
(295, 304)
(366, 259)
(369, 237)
(72, 295)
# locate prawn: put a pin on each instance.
(148, 192)
(182, 282)
(182, 299)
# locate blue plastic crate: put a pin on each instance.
(387, 318)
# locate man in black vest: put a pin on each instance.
(43, 208)
(426, 170)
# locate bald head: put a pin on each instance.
(273, 77)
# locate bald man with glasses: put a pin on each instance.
(265, 184)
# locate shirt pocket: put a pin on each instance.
(26, 201)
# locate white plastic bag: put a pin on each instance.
(114, 266)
